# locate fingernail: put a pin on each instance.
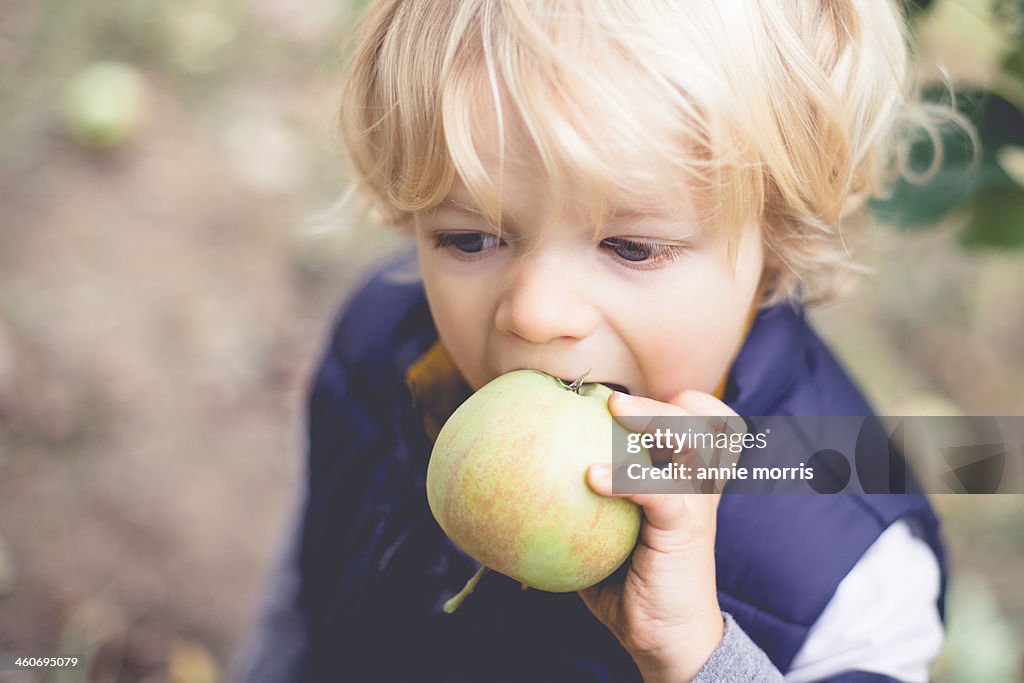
(623, 399)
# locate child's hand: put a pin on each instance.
(666, 612)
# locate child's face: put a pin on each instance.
(646, 302)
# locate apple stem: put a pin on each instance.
(453, 603)
(578, 382)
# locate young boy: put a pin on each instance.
(648, 190)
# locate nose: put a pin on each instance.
(541, 301)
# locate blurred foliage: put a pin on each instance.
(981, 645)
(979, 177)
(189, 47)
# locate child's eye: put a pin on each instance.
(467, 242)
(641, 253)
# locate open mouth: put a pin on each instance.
(615, 387)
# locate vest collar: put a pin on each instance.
(766, 367)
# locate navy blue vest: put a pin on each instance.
(376, 568)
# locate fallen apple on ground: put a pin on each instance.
(507, 483)
(104, 104)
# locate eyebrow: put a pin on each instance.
(657, 215)
(616, 214)
(613, 214)
(508, 218)
(456, 205)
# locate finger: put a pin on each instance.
(645, 416)
(636, 413)
(669, 513)
(724, 421)
(701, 403)
(686, 402)
(718, 416)
(627, 406)
(605, 602)
(689, 411)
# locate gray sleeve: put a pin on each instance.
(737, 659)
(274, 649)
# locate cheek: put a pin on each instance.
(460, 315)
(453, 312)
(679, 363)
(691, 329)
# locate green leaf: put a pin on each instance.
(966, 174)
(997, 219)
(911, 206)
(1013, 65)
(916, 205)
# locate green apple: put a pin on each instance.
(103, 104)
(507, 482)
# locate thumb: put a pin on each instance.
(664, 511)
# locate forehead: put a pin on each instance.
(526, 195)
(571, 152)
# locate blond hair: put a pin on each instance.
(784, 112)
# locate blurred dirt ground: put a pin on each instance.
(163, 304)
